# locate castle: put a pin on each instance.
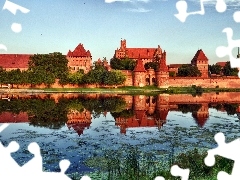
(80, 58)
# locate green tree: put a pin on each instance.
(151, 65)
(48, 67)
(76, 78)
(114, 77)
(215, 69)
(95, 75)
(188, 71)
(228, 71)
(3, 76)
(122, 64)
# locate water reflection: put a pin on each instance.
(76, 110)
(88, 128)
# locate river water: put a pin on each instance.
(87, 128)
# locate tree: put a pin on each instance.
(3, 76)
(188, 71)
(95, 75)
(228, 71)
(215, 69)
(151, 65)
(76, 78)
(15, 77)
(122, 64)
(48, 67)
(114, 77)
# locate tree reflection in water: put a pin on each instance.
(132, 116)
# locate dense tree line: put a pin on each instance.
(122, 64)
(227, 70)
(188, 71)
(46, 68)
(98, 75)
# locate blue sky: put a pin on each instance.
(60, 25)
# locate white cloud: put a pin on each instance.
(138, 10)
(112, 1)
(132, 1)
(230, 3)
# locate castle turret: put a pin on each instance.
(201, 61)
(162, 74)
(201, 116)
(139, 74)
(162, 109)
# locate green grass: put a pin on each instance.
(135, 166)
(151, 90)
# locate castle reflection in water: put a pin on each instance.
(138, 110)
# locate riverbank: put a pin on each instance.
(125, 90)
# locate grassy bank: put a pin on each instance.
(195, 90)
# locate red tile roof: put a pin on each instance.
(14, 60)
(175, 65)
(144, 53)
(79, 127)
(79, 51)
(200, 56)
(201, 120)
(222, 64)
(139, 66)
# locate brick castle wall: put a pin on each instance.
(221, 82)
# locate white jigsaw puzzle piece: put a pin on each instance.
(182, 7)
(8, 165)
(35, 164)
(12, 7)
(177, 172)
(5, 125)
(222, 51)
(227, 150)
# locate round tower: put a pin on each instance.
(162, 74)
(139, 74)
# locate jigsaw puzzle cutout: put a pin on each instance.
(228, 150)
(32, 169)
(177, 172)
(12, 7)
(182, 7)
(222, 51)
(221, 6)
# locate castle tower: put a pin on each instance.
(79, 120)
(162, 74)
(79, 59)
(201, 61)
(139, 74)
(123, 45)
(162, 109)
(201, 116)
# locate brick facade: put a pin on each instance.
(145, 54)
(79, 59)
(14, 61)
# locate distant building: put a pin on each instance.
(79, 59)
(14, 61)
(201, 61)
(145, 54)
